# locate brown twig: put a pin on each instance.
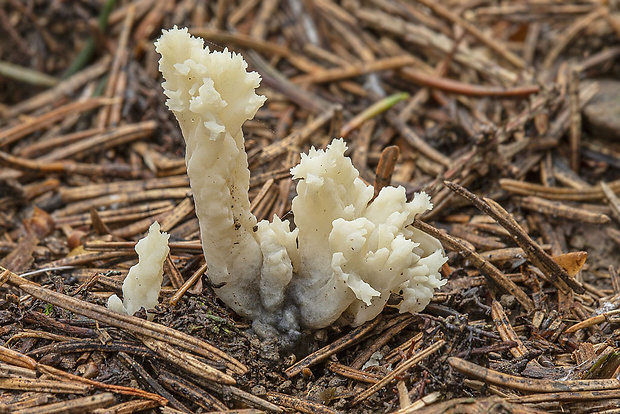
(532, 249)
(299, 404)
(497, 47)
(461, 88)
(385, 169)
(347, 340)
(417, 358)
(483, 266)
(13, 134)
(187, 285)
(529, 384)
(570, 33)
(133, 324)
(557, 209)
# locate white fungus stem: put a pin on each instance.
(212, 95)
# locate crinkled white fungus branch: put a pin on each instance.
(212, 95)
(143, 282)
(344, 258)
(363, 252)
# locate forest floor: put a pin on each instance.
(507, 114)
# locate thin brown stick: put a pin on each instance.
(530, 384)
(416, 142)
(276, 80)
(425, 37)
(120, 57)
(87, 404)
(131, 323)
(532, 249)
(577, 396)
(295, 139)
(486, 268)
(595, 320)
(336, 346)
(70, 194)
(506, 331)
(557, 209)
(267, 9)
(187, 361)
(385, 169)
(66, 167)
(556, 193)
(612, 200)
(124, 198)
(496, 46)
(177, 214)
(191, 391)
(13, 134)
(570, 33)
(64, 88)
(575, 119)
(299, 404)
(401, 323)
(352, 373)
(415, 359)
(105, 140)
(175, 247)
(13, 357)
(128, 407)
(187, 285)
(452, 86)
(331, 75)
(176, 279)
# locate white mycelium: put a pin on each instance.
(345, 256)
(143, 282)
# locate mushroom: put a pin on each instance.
(345, 256)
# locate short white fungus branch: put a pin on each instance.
(143, 282)
(344, 258)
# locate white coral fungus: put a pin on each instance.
(345, 256)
